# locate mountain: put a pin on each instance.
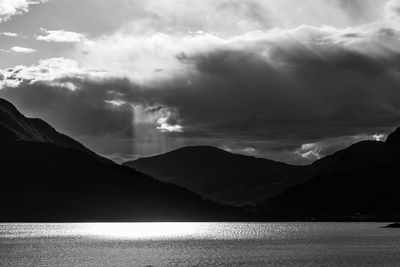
(47, 176)
(220, 175)
(14, 126)
(361, 182)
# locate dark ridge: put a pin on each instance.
(359, 183)
(393, 225)
(14, 126)
(393, 139)
(49, 177)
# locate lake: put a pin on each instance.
(199, 244)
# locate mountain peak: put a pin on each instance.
(14, 126)
(200, 149)
(394, 138)
(4, 104)
(218, 174)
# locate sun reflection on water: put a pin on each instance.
(144, 230)
(150, 231)
(185, 230)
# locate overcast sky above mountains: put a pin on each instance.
(284, 79)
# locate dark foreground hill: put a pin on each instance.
(47, 176)
(361, 182)
(220, 175)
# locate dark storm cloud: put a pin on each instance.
(337, 86)
(297, 95)
(292, 95)
(82, 112)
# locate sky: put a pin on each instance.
(287, 80)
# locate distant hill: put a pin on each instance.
(47, 176)
(361, 182)
(221, 175)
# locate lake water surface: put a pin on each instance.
(199, 244)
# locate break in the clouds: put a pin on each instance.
(280, 79)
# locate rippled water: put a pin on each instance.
(199, 244)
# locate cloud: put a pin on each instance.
(165, 126)
(9, 8)
(314, 151)
(61, 36)
(274, 102)
(153, 55)
(9, 34)
(81, 112)
(245, 150)
(292, 94)
(24, 50)
(47, 70)
(84, 102)
(287, 86)
(233, 17)
(392, 11)
(54, 71)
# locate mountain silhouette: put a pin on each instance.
(14, 126)
(48, 176)
(361, 182)
(221, 175)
